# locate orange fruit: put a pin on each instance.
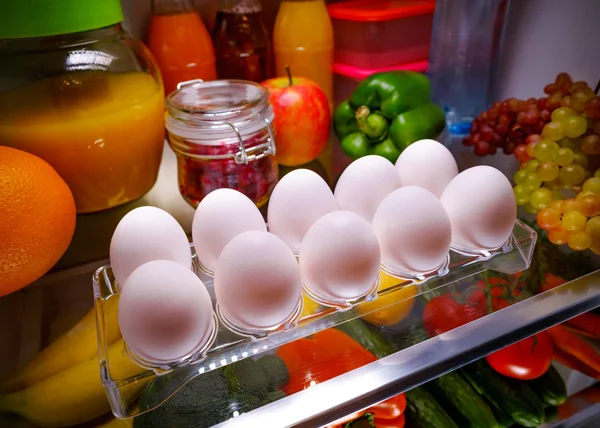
(37, 218)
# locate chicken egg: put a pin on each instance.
(340, 258)
(222, 215)
(364, 184)
(482, 209)
(413, 230)
(257, 282)
(299, 199)
(143, 235)
(165, 312)
(427, 164)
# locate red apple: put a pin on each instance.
(302, 119)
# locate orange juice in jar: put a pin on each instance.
(81, 93)
(102, 132)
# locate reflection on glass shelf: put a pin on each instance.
(124, 380)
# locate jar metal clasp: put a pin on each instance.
(244, 156)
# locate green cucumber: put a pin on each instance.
(516, 397)
(551, 413)
(550, 387)
(504, 420)
(371, 339)
(427, 410)
(460, 394)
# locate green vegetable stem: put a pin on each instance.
(373, 125)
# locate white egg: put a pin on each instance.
(299, 199)
(165, 312)
(221, 216)
(146, 234)
(257, 282)
(340, 258)
(413, 230)
(427, 164)
(364, 184)
(482, 208)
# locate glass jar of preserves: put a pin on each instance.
(221, 132)
(79, 92)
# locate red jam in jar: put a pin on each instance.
(221, 133)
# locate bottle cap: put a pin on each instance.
(39, 18)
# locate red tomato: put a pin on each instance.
(499, 288)
(528, 359)
(443, 313)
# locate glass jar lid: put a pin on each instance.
(218, 104)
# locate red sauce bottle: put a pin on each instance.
(242, 44)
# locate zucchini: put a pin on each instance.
(551, 413)
(461, 395)
(428, 411)
(550, 387)
(371, 339)
(452, 411)
(504, 420)
(516, 397)
(411, 419)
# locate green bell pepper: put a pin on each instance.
(425, 121)
(387, 149)
(392, 92)
(373, 125)
(344, 120)
(356, 145)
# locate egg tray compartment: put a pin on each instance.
(123, 387)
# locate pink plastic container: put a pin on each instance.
(381, 33)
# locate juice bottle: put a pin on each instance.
(180, 43)
(303, 40)
(242, 44)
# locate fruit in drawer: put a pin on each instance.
(72, 396)
(75, 346)
(38, 218)
(390, 308)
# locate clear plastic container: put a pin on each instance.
(381, 33)
(221, 132)
(124, 379)
(464, 51)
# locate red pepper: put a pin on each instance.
(328, 354)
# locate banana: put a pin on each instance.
(75, 346)
(74, 395)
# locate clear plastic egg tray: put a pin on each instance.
(124, 379)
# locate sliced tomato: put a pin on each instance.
(527, 359)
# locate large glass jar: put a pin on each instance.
(221, 132)
(79, 92)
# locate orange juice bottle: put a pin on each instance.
(303, 40)
(180, 43)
